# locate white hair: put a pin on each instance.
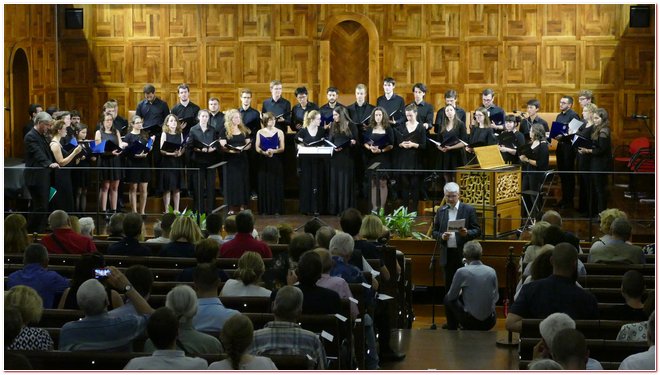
(92, 298)
(544, 364)
(472, 250)
(86, 226)
(58, 219)
(183, 301)
(342, 245)
(452, 187)
(553, 324)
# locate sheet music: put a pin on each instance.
(574, 126)
(455, 225)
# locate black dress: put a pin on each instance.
(341, 194)
(80, 175)
(171, 178)
(63, 199)
(108, 160)
(236, 175)
(584, 164)
(483, 137)
(533, 176)
(270, 179)
(409, 158)
(455, 158)
(313, 175)
(384, 139)
(601, 161)
(519, 142)
(134, 176)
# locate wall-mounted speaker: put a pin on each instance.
(640, 15)
(73, 18)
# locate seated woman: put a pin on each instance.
(607, 217)
(29, 304)
(284, 264)
(237, 335)
(184, 235)
(206, 251)
(183, 301)
(84, 271)
(16, 236)
(248, 275)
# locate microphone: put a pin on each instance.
(445, 207)
(637, 117)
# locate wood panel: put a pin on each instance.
(146, 21)
(147, 63)
(221, 63)
(559, 64)
(406, 62)
(109, 21)
(521, 64)
(257, 22)
(296, 61)
(482, 63)
(349, 43)
(110, 61)
(75, 68)
(444, 21)
(521, 22)
(481, 21)
(258, 61)
(444, 64)
(600, 68)
(182, 21)
(638, 65)
(559, 20)
(184, 64)
(404, 21)
(516, 100)
(598, 21)
(220, 21)
(295, 21)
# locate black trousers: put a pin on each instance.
(566, 162)
(37, 219)
(203, 183)
(456, 316)
(454, 262)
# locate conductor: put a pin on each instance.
(452, 241)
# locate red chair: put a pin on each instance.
(642, 161)
(634, 146)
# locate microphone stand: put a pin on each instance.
(432, 268)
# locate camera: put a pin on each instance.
(101, 273)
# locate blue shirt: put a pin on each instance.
(211, 315)
(47, 283)
(541, 298)
(478, 285)
(102, 332)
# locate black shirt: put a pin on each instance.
(395, 103)
(206, 137)
(326, 112)
(217, 121)
(495, 111)
(526, 125)
(440, 117)
(252, 119)
(425, 113)
(129, 246)
(153, 114)
(298, 114)
(186, 114)
(565, 118)
(282, 106)
(541, 298)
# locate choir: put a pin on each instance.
(252, 145)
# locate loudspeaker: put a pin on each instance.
(640, 16)
(73, 18)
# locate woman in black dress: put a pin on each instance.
(587, 205)
(171, 177)
(411, 141)
(63, 199)
(236, 177)
(452, 154)
(313, 170)
(80, 176)
(601, 156)
(112, 161)
(535, 165)
(138, 177)
(203, 144)
(379, 141)
(343, 134)
(481, 134)
(270, 146)
(510, 137)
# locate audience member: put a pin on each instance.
(230, 227)
(324, 235)
(351, 222)
(87, 227)
(183, 301)
(243, 240)
(130, 244)
(98, 330)
(206, 251)
(535, 243)
(540, 268)
(163, 329)
(237, 335)
(569, 349)
(554, 218)
(16, 237)
(317, 300)
(644, 360)
(184, 235)
(606, 219)
(374, 232)
(283, 265)
(638, 331)
(553, 236)
(64, 240)
(248, 275)
(618, 250)
(286, 232)
(334, 283)
(141, 278)
(633, 291)
(284, 335)
(544, 365)
(13, 326)
(115, 227)
(35, 274)
(211, 313)
(165, 226)
(83, 271)
(311, 226)
(29, 304)
(75, 225)
(270, 235)
(470, 302)
(557, 293)
(549, 327)
(214, 227)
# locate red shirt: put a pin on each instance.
(73, 242)
(241, 243)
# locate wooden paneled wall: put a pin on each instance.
(521, 51)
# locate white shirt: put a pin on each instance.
(452, 212)
(236, 288)
(254, 363)
(166, 360)
(640, 361)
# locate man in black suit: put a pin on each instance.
(39, 160)
(452, 242)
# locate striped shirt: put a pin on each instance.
(288, 338)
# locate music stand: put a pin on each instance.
(321, 152)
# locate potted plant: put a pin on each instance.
(400, 223)
(193, 214)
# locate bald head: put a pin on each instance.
(553, 217)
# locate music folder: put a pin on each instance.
(580, 141)
(574, 126)
(340, 145)
(558, 128)
(104, 147)
(237, 148)
(526, 150)
(497, 118)
(315, 151)
(327, 118)
(508, 139)
(381, 142)
(139, 146)
(451, 141)
(73, 143)
(171, 146)
(200, 145)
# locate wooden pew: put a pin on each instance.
(611, 295)
(523, 364)
(592, 329)
(618, 269)
(599, 349)
(610, 281)
(650, 258)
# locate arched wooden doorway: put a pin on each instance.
(19, 101)
(349, 55)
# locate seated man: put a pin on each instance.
(554, 218)
(644, 360)
(211, 313)
(284, 335)
(470, 303)
(165, 226)
(243, 240)
(549, 327)
(618, 250)
(163, 329)
(557, 293)
(633, 291)
(98, 330)
(569, 349)
(206, 251)
(214, 227)
(35, 274)
(130, 244)
(65, 240)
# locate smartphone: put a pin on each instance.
(101, 273)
